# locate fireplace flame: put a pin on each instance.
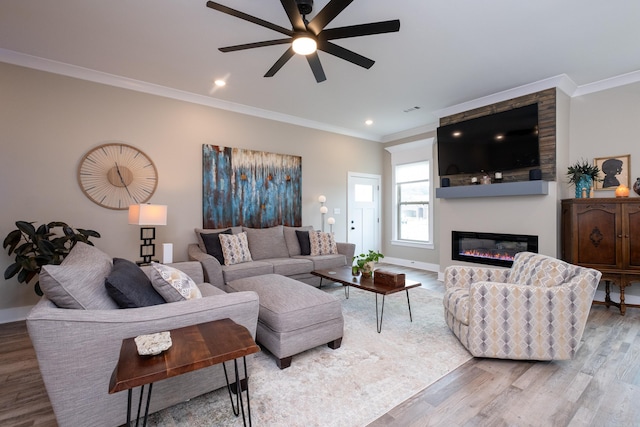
(504, 256)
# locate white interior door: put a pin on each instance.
(364, 211)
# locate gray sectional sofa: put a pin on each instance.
(274, 250)
(78, 348)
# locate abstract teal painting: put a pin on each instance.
(250, 188)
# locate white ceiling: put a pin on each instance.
(447, 53)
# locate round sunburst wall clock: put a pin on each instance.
(116, 175)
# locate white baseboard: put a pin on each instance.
(412, 264)
(14, 314)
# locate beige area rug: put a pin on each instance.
(351, 386)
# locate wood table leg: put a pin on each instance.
(607, 293)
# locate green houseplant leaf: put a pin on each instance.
(34, 247)
(582, 168)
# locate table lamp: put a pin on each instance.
(147, 215)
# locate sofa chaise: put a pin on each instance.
(78, 348)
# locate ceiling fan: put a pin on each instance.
(313, 33)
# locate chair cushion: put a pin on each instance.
(78, 282)
(266, 243)
(290, 266)
(246, 269)
(539, 270)
(235, 248)
(212, 243)
(173, 284)
(323, 262)
(129, 287)
(322, 243)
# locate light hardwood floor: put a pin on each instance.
(600, 387)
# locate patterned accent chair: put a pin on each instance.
(537, 310)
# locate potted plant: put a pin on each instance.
(365, 262)
(34, 248)
(582, 174)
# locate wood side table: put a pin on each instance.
(193, 347)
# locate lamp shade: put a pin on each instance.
(147, 214)
(324, 210)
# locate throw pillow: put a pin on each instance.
(173, 284)
(322, 243)
(235, 248)
(78, 282)
(130, 287)
(291, 238)
(212, 243)
(200, 231)
(303, 240)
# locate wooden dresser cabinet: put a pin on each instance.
(604, 233)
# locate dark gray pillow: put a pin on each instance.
(303, 240)
(212, 243)
(129, 287)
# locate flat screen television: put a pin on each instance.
(494, 143)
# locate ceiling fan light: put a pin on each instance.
(304, 45)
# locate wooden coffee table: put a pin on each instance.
(343, 275)
(193, 347)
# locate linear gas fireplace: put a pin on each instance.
(490, 248)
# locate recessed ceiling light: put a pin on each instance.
(220, 83)
(368, 122)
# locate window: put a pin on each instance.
(412, 195)
(412, 223)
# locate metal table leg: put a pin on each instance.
(146, 412)
(379, 323)
(238, 407)
(379, 319)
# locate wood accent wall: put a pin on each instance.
(546, 100)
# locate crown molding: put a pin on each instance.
(613, 82)
(61, 68)
(429, 127)
(562, 82)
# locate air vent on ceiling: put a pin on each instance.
(408, 110)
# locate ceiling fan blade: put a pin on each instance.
(280, 62)
(361, 30)
(254, 45)
(327, 14)
(293, 13)
(316, 67)
(224, 9)
(345, 54)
